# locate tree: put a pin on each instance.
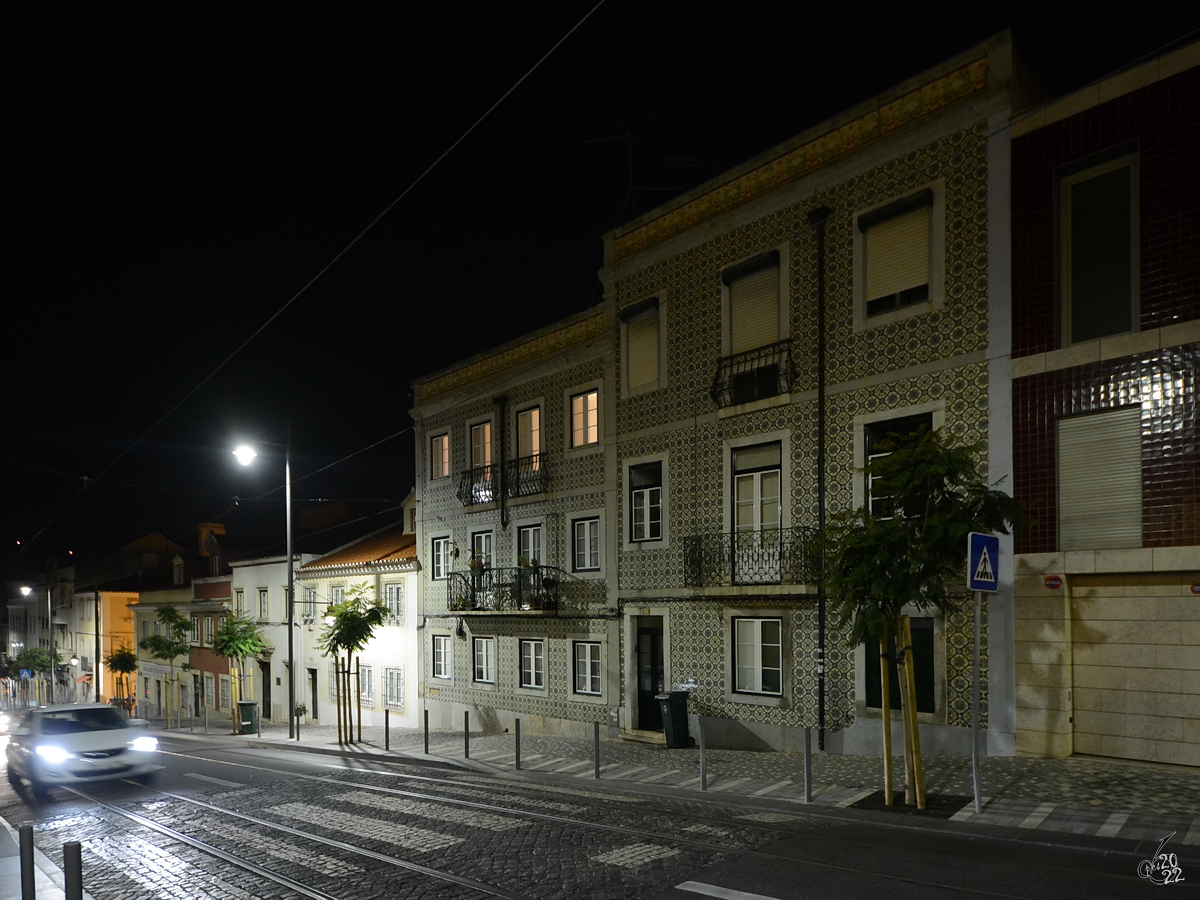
(236, 639)
(174, 643)
(349, 627)
(122, 662)
(875, 565)
(41, 662)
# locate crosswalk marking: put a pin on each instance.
(1035, 818)
(712, 890)
(1112, 825)
(209, 778)
(770, 788)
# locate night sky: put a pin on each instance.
(178, 174)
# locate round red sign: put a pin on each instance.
(1196, 589)
(1053, 582)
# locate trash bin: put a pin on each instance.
(247, 713)
(674, 718)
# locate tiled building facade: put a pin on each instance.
(880, 237)
(1106, 325)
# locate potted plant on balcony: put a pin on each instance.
(301, 712)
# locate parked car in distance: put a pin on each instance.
(78, 743)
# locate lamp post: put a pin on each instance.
(245, 455)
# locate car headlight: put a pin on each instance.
(53, 755)
(144, 742)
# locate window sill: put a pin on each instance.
(772, 700)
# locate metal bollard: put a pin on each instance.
(297, 726)
(28, 891)
(73, 870)
(596, 747)
(807, 764)
(387, 733)
(426, 732)
(466, 734)
(206, 720)
(703, 759)
(518, 724)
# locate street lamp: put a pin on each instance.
(245, 455)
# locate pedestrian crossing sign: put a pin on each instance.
(983, 558)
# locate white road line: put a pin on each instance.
(772, 787)
(658, 776)
(1035, 818)
(711, 890)
(733, 782)
(220, 781)
(1112, 825)
(969, 810)
(854, 798)
(570, 766)
(1193, 835)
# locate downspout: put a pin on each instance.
(817, 218)
(501, 444)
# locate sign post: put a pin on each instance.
(983, 559)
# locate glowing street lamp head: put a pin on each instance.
(245, 454)
(26, 590)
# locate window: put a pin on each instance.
(529, 432)
(239, 601)
(224, 680)
(393, 687)
(758, 656)
(481, 548)
(334, 676)
(533, 664)
(194, 637)
(585, 427)
(209, 695)
(645, 502)
(1100, 480)
(640, 327)
(923, 666)
(337, 593)
(482, 486)
(485, 660)
(264, 604)
(529, 545)
(178, 572)
(756, 514)
(393, 598)
(527, 473)
(208, 630)
(753, 300)
(1098, 250)
(310, 603)
(439, 456)
(586, 545)
(441, 561)
(896, 243)
(366, 684)
(441, 656)
(877, 436)
(145, 628)
(481, 445)
(587, 667)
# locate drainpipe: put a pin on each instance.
(499, 454)
(817, 219)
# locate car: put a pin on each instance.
(6, 719)
(78, 743)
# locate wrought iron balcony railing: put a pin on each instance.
(478, 485)
(504, 589)
(771, 556)
(527, 475)
(753, 375)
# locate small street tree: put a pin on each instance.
(175, 642)
(914, 555)
(122, 662)
(42, 663)
(349, 628)
(237, 639)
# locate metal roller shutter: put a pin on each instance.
(1100, 481)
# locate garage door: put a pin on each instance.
(1136, 667)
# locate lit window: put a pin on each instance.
(529, 433)
(439, 456)
(533, 664)
(485, 660)
(586, 554)
(585, 427)
(758, 656)
(645, 502)
(441, 656)
(587, 667)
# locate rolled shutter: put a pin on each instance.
(641, 342)
(754, 310)
(1100, 481)
(897, 253)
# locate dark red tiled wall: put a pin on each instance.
(1163, 121)
(1164, 383)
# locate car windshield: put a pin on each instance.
(71, 721)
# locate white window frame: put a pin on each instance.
(194, 638)
(337, 593)
(663, 541)
(239, 601)
(654, 308)
(731, 274)
(439, 456)
(441, 659)
(520, 528)
(310, 603)
(754, 628)
(569, 417)
(483, 660)
(587, 683)
(224, 700)
(208, 630)
(441, 557)
(936, 409)
(393, 687)
(393, 598)
(483, 547)
(731, 616)
(602, 538)
(937, 260)
(210, 695)
(784, 439)
(531, 664)
(486, 448)
(264, 604)
(523, 409)
(363, 677)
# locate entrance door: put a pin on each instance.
(650, 672)
(312, 693)
(264, 667)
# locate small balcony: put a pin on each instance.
(527, 475)
(753, 375)
(734, 559)
(479, 485)
(504, 590)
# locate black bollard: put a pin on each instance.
(73, 870)
(28, 891)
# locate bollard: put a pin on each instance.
(466, 734)
(596, 747)
(298, 726)
(28, 891)
(206, 719)
(191, 721)
(703, 759)
(387, 734)
(518, 724)
(426, 732)
(807, 764)
(73, 870)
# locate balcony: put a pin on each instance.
(504, 590)
(753, 375)
(772, 556)
(478, 485)
(527, 475)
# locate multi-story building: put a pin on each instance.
(1105, 333)
(674, 452)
